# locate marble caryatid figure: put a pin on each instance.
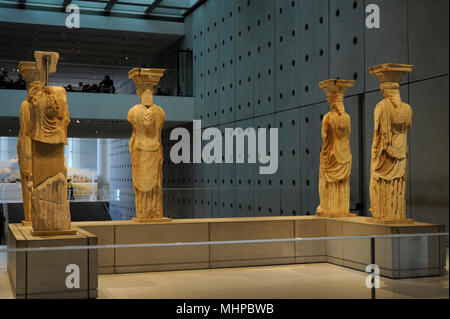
(335, 156)
(388, 169)
(32, 78)
(49, 118)
(146, 150)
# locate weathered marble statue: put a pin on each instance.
(145, 144)
(335, 156)
(48, 131)
(388, 170)
(32, 77)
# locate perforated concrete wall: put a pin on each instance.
(257, 63)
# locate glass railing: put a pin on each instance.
(136, 264)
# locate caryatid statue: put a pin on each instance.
(145, 145)
(32, 78)
(49, 111)
(388, 169)
(335, 155)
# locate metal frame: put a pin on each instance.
(109, 6)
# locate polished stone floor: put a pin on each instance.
(319, 280)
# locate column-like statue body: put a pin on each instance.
(388, 169)
(32, 77)
(145, 144)
(48, 132)
(335, 156)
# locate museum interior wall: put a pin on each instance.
(254, 67)
(258, 63)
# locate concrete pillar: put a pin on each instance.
(102, 166)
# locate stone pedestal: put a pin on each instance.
(396, 257)
(42, 274)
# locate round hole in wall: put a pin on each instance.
(249, 28)
(321, 20)
(269, 16)
(338, 12)
(355, 40)
(355, 76)
(307, 182)
(306, 58)
(321, 52)
(355, 4)
(281, 182)
(281, 67)
(321, 117)
(338, 46)
(259, 22)
(269, 99)
(281, 96)
(293, 62)
(281, 10)
(281, 39)
(306, 88)
(293, 33)
(306, 119)
(306, 27)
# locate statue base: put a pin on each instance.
(26, 223)
(47, 233)
(389, 221)
(41, 274)
(337, 215)
(161, 220)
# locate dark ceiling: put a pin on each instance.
(81, 46)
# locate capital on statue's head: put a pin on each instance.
(42, 59)
(390, 73)
(336, 87)
(29, 71)
(147, 77)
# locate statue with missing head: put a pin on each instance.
(335, 156)
(145, 145)
(388, 170)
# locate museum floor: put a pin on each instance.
(321, 280)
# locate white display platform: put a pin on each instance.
(396, 257)
(42, 274)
